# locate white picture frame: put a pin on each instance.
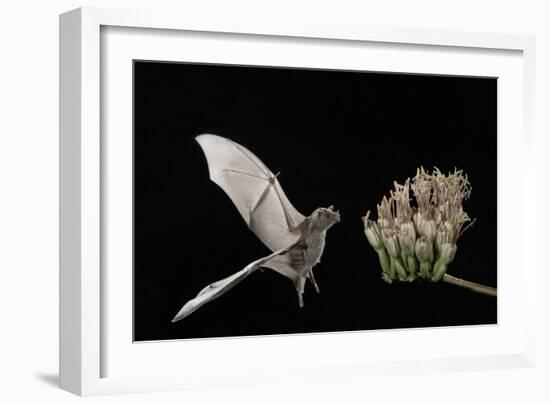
(83, 161)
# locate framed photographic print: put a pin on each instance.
(288, 196)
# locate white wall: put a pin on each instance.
(29, 185)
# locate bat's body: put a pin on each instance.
(298, 262)
(297, 242)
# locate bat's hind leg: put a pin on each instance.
(299, 284)
(312, 277)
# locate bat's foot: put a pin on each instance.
(312, 277)
(316, 286)
(300, 283)
(317, 290)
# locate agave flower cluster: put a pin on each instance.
(419, 240)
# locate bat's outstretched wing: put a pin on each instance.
(217, 289)
(254, 190)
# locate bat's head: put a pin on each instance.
(324, 218)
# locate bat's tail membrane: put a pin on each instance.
(217, 289)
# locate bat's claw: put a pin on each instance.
(300, 301)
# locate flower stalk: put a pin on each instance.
(483, 289)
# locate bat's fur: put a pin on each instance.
(298, 262)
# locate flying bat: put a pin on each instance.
(296, 242)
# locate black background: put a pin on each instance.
(338, 138)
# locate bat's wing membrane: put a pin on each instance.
(254, 190)
(217, 289)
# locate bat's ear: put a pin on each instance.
(331, 207)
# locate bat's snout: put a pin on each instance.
(335, 213)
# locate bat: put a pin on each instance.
(296, 242)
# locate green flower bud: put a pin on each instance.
(425, 270)
(427, 228)
(424, 250)
(425, 255)
(372, 231)
(447, 252)
(385, 263)
(391, 242)
(412, 265)
(407, 238)
(397, 267)
(446, 255)
(445, 234)
(373, 236)
(404, 259)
